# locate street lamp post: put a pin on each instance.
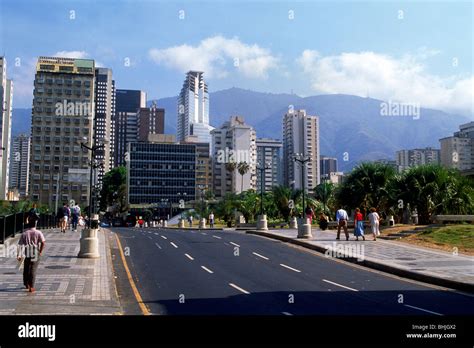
(89, 243)
(304, 229)
(262, 218)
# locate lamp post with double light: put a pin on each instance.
(304, 228)
(262, 218)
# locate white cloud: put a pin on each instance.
(216, 56)
(384, 77)
(72, 54)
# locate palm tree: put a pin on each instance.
(230, 167)
(324, 192)
(281, 197)
(243, 168)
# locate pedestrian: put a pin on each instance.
(34, 211)
(374, 219)
(358, 224)
(30, 248)
(65, 213)
(190, 219)
(211, 219)
(309, 214)
(75, 213)
(323, 222)
(342, 217)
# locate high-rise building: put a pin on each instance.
(161, 171)
(103, 120)
(328, 165)
(20, 165)
(203, 164)
(457, 151)
(6, 98)
(234, 142)
(127, 103)
(268, 156)
(193, 109)
(300, 136)
(150, 121)
(416, 157)
(62, 114)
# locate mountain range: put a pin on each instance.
(352, 128)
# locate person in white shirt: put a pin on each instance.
(342, 217)
(374, 219)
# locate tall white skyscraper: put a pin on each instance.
(193, 109)
(300, 135)
(6, 97)
(20, 165)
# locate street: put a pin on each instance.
(192, 272)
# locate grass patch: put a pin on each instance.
(447, 237)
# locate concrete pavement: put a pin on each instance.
(428, 265)
(192, 272)
(65, 284)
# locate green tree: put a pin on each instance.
(324, 192)
(242, 168)
(225, 208)
(114, 190)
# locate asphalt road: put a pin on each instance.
(232, 273)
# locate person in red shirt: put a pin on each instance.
(30, 247)
(358, 224)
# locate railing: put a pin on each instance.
(12, 224)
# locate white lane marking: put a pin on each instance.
(174, 245)
(239, 288)
(149, 237)
(204, 233)
(263, 257)
(342, 286)
(235, 244)
(293, 269)
(207, 269)
(157, 245)
(164, 237)
(424, 310)
(217, 237)
(189, 257)
(156, 234)
(286, 313)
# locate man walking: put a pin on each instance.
(75, 213)
(30, 247)
(211, 219)
(66, 213)
(342, 218)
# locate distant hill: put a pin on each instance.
(347, 123)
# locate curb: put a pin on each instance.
(187, 228)
(371, 263)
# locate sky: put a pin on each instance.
(407, 51)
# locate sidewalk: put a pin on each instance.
(65, 284)
(427, 265)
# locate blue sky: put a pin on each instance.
(418, 52)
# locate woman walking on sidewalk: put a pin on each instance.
(30, 247)
(358, 225)
(374, 219)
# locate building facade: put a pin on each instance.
(6, 99)
(416, 157)
(300, 136)
(203, 164)
(150, 121)
(20, 165)
(328, 165)
(268, 156)
(161, 171)
(457, 151)
(104, 132)
(127, 103)
(62, 118)
(234, 142)
(193, 109)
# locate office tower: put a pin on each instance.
(6, 98)
(159, 171)
(328, 165)
(103, 121)
(203, 164)
(193, 109)
(62, 115)
(300, 135)
(457, 151)
(150, 121)
(416, 157)
(127, 103)
(20, 165)
(268, 155)
(234, 142)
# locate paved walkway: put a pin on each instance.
(65, 284)
(433, 266)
